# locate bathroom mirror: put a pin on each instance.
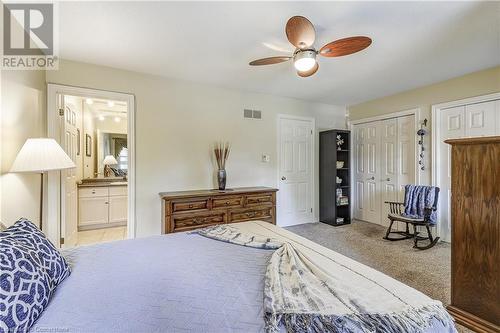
(114, 144)
(105, 136)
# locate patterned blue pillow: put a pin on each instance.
(30, 270)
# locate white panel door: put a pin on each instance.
(388, 166)
(367, 172)
(452, 126)
(70, 196)
(295, 170)
(372, 181)
(480, 119)
(359, 133)
(407, 161)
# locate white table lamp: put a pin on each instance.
(108, 160)
(38, 156)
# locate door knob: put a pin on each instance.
(387, 179)
(283, 178)
(371, 178)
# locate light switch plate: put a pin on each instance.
(266, 158)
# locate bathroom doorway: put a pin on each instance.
(96, 198)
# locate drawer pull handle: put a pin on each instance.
(227, 202)
(198, 221)
(250, 214)
(93, 192)
(191, 206)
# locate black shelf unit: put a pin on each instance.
(330, 210)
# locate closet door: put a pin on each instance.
(452, 126)
(359, 132)
(407, 156)
(407, 160)
(480, 119)
(372, 189)
(397, 163)
(367, 172)
(388, 166)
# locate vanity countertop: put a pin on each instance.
(102, 183)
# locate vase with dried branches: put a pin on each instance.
(221, 152)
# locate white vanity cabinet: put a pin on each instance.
(118, 204)
(102, 206)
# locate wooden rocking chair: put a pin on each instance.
(396, 210)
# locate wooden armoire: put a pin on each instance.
(475, 230)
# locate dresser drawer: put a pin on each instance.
(187, 205)
(189, 221)
(91, 192)
(229, 202)
(259, 199)
(259, 213)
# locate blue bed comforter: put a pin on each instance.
(172, 283)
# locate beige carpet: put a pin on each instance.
(427, 271)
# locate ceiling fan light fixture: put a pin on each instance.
(301, 34)
(304, 60)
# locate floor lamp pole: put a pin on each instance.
(41, 200)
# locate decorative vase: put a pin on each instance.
(221, 179)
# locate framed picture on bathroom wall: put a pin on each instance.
(88, 145)
(78, 143)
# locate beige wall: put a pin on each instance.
(22, 117)
(474, 84)
(177, 122)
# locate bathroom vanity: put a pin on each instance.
(102, 204)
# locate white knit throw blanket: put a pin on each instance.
(308, 291)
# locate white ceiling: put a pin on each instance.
(414, 43)
(100, 107)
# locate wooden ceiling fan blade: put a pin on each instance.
(345, 46)
(300, 32)
(269, 61)
(310, 72)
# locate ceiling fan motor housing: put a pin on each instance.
(304, 60)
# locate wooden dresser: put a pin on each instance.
(475, 224)
(188, 210)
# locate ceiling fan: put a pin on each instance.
(300, 32)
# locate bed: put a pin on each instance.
(181, 282)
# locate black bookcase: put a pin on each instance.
(335, 197)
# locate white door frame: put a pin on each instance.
(415, 112)
(436, 134)
(313, 157)
(53, 201)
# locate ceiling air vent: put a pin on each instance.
(252, 114)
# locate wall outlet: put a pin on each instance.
(266, 158)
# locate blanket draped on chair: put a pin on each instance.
(417, 198)
(312, 292)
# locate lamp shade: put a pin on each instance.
(109, 160)
(41, 154)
